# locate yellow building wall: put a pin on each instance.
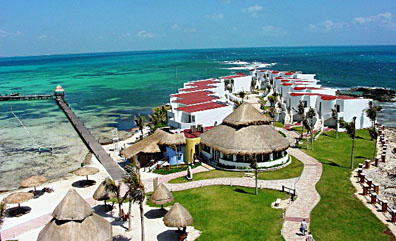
(190, 148)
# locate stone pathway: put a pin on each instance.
(307, 196)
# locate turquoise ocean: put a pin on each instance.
(107, 89)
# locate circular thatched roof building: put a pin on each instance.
(244, 135)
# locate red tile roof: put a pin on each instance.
(181, 95)
(287, 84)
(278, 78)
(202, 83)
(325, 97)
(188, 134)
(201, 107)
(195, 99)
(233, 76)
(288, 73)
(204, 87)
(307, 88)
(285, 80)
(275, 72)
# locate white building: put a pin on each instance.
(198, 103)
(239, 82)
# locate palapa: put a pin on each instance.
(245, 132)
(161, 195)
(68, 225)
(33, 181)
(18, 197)
(102, 193)
(151, 144)
(178, 217)
(85, 171)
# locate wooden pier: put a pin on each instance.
(25, 97)
(93, 145)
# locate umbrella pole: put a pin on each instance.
(34, 188)
(87, 177)
(184, 229)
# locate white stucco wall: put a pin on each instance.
(268, 164)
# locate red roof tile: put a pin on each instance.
(287, 84)
(278, 78)
(288, 73)
(275, 72)
(204, 87)
(200, 107)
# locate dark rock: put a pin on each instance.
(379, 94)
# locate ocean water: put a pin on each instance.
(107, 89)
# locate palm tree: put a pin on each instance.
(226, 83)
(268, 89)
(301, 112)
(253, 84)
(307, 127)
(139, 121)
(351, 130)
(334, 115)
(310, 115)
(242, 95)
(158, 117)
(135, 193)
(374, 135)
(371, 112)
(253, 165)
(272, 99)
(111, 186)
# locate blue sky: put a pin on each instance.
(34, 27)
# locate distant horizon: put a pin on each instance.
(181, 49)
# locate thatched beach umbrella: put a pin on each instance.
(33, 181)
(18, 198)
(85, 171)
(73, 219)
(161, 196)
(178, 217)
(103, 192)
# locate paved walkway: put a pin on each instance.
(307, 196)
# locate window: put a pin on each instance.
(178, 149)
(305, 103)
(193, 118)
(338, 107)
(206, 148)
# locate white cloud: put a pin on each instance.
(177, 27)
(145, 34)
(272, 30)
(216, 16)
(253, 10)
(4, 34)
(386, 20)
(125, 35)
(327, 26)
(42, 37)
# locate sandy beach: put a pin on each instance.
(27, 227)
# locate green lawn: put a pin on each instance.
(339, 214)
(233, 213)
(294, 169)
(173, 169)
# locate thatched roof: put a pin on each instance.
(102, 193)
(74, 220)
(246, 115)
(18, 197)
(32, 181)
(85, 171)
(151, 143)
(72, 207)
(161, 195)
(254, 139)
(93, 228)
(178, 217)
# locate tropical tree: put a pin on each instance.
(272, 99)
(374, 135)
(253, 165)
(2, 212)
(334, 115)
(226, 83)
(242, 95)
(158, 117)
(351, 130)
(310, 115)
(253, 84)
(111, 186)
(135, 192)
(268, 88)
(307, 127)
(371, 112)
(301, 112)
(139, 122)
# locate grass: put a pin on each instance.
(294, 169)
(339, 214)
(232, 213)
(279, 124)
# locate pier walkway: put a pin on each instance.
(93, 145)
(25, 97)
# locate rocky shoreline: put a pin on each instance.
(375, 93)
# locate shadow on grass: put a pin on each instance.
(242, 191)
